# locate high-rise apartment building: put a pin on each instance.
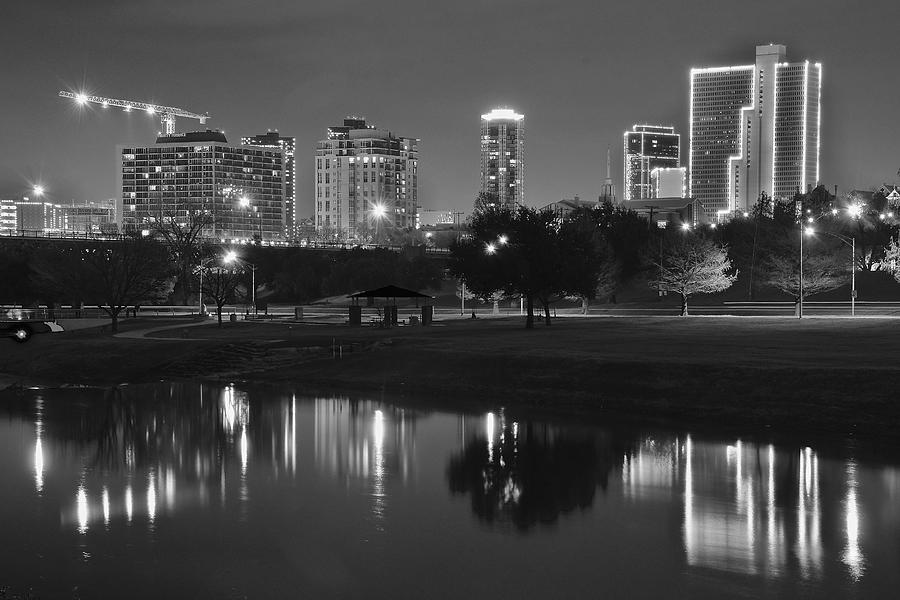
(754, 129)
(503, 156)
(240, 188)
(648, 147)
(286, 144)
(367, 181)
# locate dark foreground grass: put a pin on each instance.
(834, 375)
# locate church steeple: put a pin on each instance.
(608, 191)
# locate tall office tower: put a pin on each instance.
(503, 156)
(367, 181)
(608, 190)
(240, 188)
(271, 139)
(648, 147)
(754, 129)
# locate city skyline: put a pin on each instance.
(47, 129)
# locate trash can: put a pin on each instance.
(427, 315)
(232, 317)
(298, 313)
(413, 320)
(355, 315)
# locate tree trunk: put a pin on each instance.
(684, 305)
(546, 312)
(529, 315)
(114, 314)
(219, 314)
(584, 305)
(185, 286)
(797, 307)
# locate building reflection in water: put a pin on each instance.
(852, 555)
(143, 457)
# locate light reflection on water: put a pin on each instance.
(228, 461)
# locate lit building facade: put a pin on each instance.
(668, 182)
(241, 188)
(754, 129)
(367, 181)
(503, 157)
(91, 217)
(430, 218)
(648, 147)
(8, 217)
(272, 139)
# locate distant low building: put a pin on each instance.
(8, 217)
(566, 206)
(90, 217)
(664, 212)
(430, 218)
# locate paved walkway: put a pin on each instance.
(145, 334)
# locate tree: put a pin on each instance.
(525, 252)
(111, 275)
(220, 283)
(692, 264)
(486, 201)
(822, 272)
(183, 238)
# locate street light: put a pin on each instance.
(38, 190)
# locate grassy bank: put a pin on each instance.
(833, 375)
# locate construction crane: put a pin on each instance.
(166, 114)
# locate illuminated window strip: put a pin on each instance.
(819, 122)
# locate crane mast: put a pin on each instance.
(166, 114)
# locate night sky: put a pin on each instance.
(581, 71)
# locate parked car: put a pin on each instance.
(21, 331)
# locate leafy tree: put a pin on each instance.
(111, 275)
(486, 201)
(691, 265)
(822, 272)
(523, 252)
(183, 236)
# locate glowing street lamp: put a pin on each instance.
(81, 98)
(490, 248)
(854, 210)
(232, 256)
(244, 202)
(685, 226)
(38, 190)
(503, 239)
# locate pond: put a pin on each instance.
(206, 491)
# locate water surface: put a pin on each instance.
(184, 490)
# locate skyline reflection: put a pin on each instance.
(124, 462)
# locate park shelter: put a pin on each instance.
(390, 294)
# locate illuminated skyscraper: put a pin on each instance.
(648, 147)
(367, 181)
(240, 188)
(503, 156)
(754, 129)
(271, 139)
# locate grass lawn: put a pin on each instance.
(836, 375)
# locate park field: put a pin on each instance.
(835, 375)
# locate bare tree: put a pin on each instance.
(822, 272)
(112, 275)
(220, 283)
(694, 265)
(183, 236)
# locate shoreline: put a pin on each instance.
(764, 375)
